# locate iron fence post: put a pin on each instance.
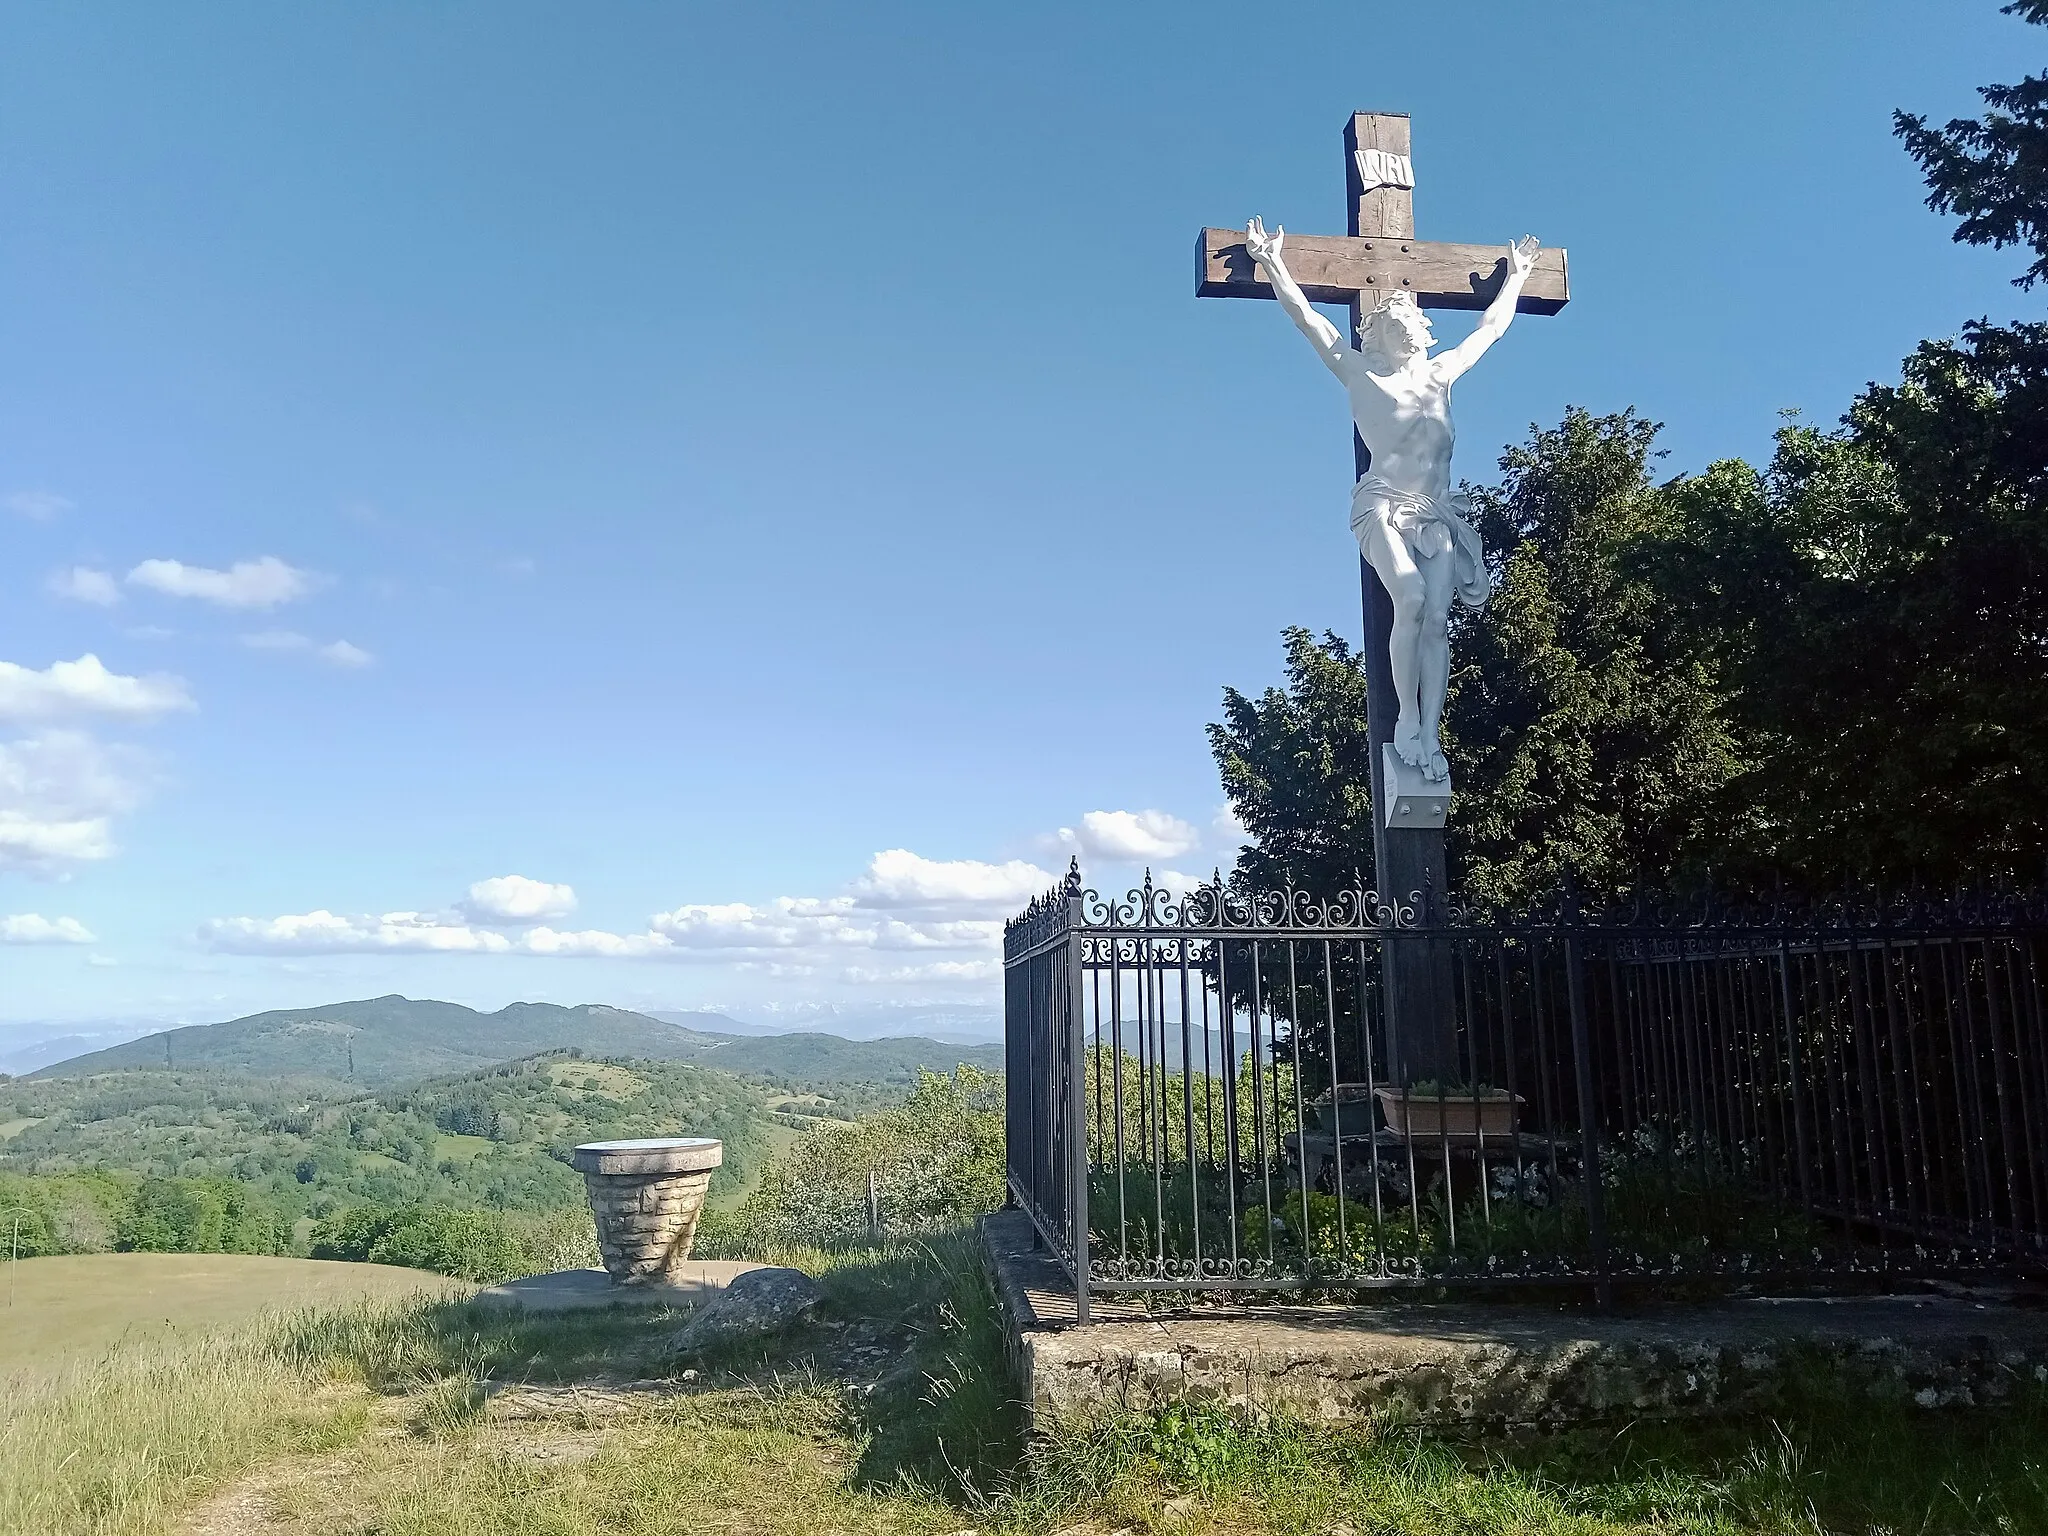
(1077, 1105)
(1589, 1123)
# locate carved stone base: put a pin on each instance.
(646, 1197)
(1411, 799)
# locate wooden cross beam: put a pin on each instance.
(1381, 254)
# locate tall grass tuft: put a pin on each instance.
(116, 1445)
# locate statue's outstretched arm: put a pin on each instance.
(1323, 336)
(1494, 323)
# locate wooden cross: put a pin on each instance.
(1381, 256)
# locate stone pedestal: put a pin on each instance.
(646, 1196)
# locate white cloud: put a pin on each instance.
(83, 584)
(904, 904)
(1129, 837)
(340, 653)
(1178, 882)
(788, 922)
(898, 878)
(261, 583)
(34, 928)
(85, 687)
(593, 943)
(511, 899)
(816, 923)
(1228, 831)
(58, 794)
(37, 506)
(325, 933)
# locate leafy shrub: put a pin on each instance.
(470, 1245)
(1345, 1233)
(936, 1160)
(201, 1216)
(62, 1213)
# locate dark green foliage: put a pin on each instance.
(936, 1161)
(1877, 601)
(1297, 770)
(1992, 170)
(313, 1145)
(1584, 731)
(70, 1213)
(470, 1245)
(94, 1211)
(202, 1216)
(468, 1115)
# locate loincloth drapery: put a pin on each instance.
(1429, 526)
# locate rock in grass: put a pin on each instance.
(758, 1303)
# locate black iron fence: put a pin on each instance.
(1206, 1093)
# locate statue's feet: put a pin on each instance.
(1408, 744)
(1438, 769)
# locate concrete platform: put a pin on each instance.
(571, 1290)
(1488, 1363)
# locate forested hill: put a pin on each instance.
(384, 1041)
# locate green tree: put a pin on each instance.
(470, 1245)
(1879, 596)
(201, 1216)
(1296, 767)
(1583, 731)
(1992, 171)
(936, 1160)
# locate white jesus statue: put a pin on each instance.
(1412, 531)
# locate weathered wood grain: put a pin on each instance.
(1384, 211)
(1334, 269)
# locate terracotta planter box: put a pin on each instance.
(646, 1196)
(1425, 1117)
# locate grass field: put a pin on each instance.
(74, 1307)
(461, 1149)
(596, 1076)
(892, 1412)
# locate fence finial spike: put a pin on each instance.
(1073, 881)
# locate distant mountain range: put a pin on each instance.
(965, 1023)
(383, 1041)
(23, 1048)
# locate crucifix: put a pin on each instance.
(1417, 549)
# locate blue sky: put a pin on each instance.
(758, 475)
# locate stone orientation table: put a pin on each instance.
(646, 1196)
